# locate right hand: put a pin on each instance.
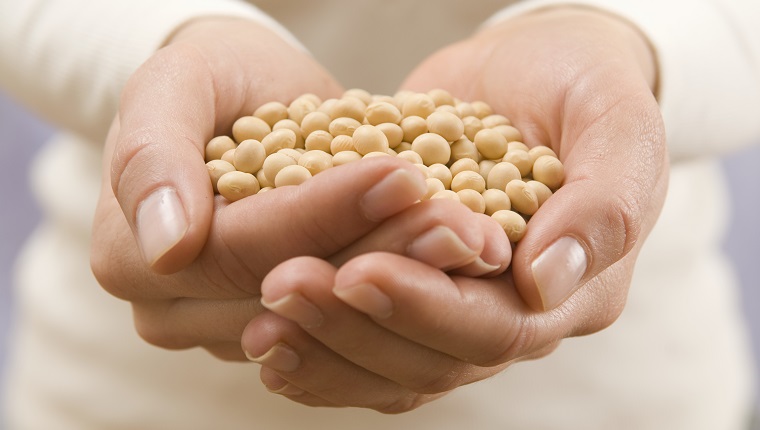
(191, 264)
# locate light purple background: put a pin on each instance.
(21, 135)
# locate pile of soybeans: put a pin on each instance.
(465, 150)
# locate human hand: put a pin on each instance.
(190, 264)
(574, 79)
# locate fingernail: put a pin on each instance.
(440, 247)
(558, 270)
(280, 357)
(297, 308)
(479, 267)
(277, 384)
(395, 192)
(366, 298)
(161, 223)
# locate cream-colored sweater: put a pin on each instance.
(676, 359)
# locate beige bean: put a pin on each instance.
(445, 194)
(447, 108)
(485, 169)
(550, 171)
(344, 126)
(360, 94)
(442, 173)
(491, 144)
(235, 185)
(410, 156)
(425, 170)
(217, 168)
(542, 191)
(367, 138)
(473, 200)
(217, 146)
(501, 174)
(464, 164)
(348, 107)
(376, 154)
(393, 133)
(540, 150)
(279, 139)
(434, 185)
(468, 179)
(465, 109)
(445, 124)
(291, 125)
(513, 224)
(418, 104)
(263, 181)
(291, 175)
(299, 108)
(432, 148)
(345, 157)
(472, 125)
(413, 127)
(520, 159)
(403, 146)
(464, 148)
(516, 144)
(314, 121)
(382, 112)
(495, 120)
(510, 133)
(496, 200)
(276, 162)
(271, 112)
(318, 140)
(249, 156)
(482, 109)
(441, 97)
(229, 156)
(342, 143)
(295, 154)
(250, 127)
(522, 197)
(316, 161)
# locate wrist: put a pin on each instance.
(589, 25)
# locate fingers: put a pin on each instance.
(172, 106)
(342, 356)
(441, 233)
(622, 186)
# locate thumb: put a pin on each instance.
(175, 103)
(609, 202)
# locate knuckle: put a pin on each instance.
(150, 325)
(405, 403)
(513, 344)
(443, 382)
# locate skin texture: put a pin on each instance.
(204, 289)
(576, 80)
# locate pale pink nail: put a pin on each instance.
(366, 298)
(397, 191)
(280, 357)
(161, 223)
(297, 308)
(558, 270)
(441, 248)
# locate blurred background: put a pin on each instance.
(21, 135)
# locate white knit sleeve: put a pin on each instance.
(68, 60)
(709, 57)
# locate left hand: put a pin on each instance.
(394, 333)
